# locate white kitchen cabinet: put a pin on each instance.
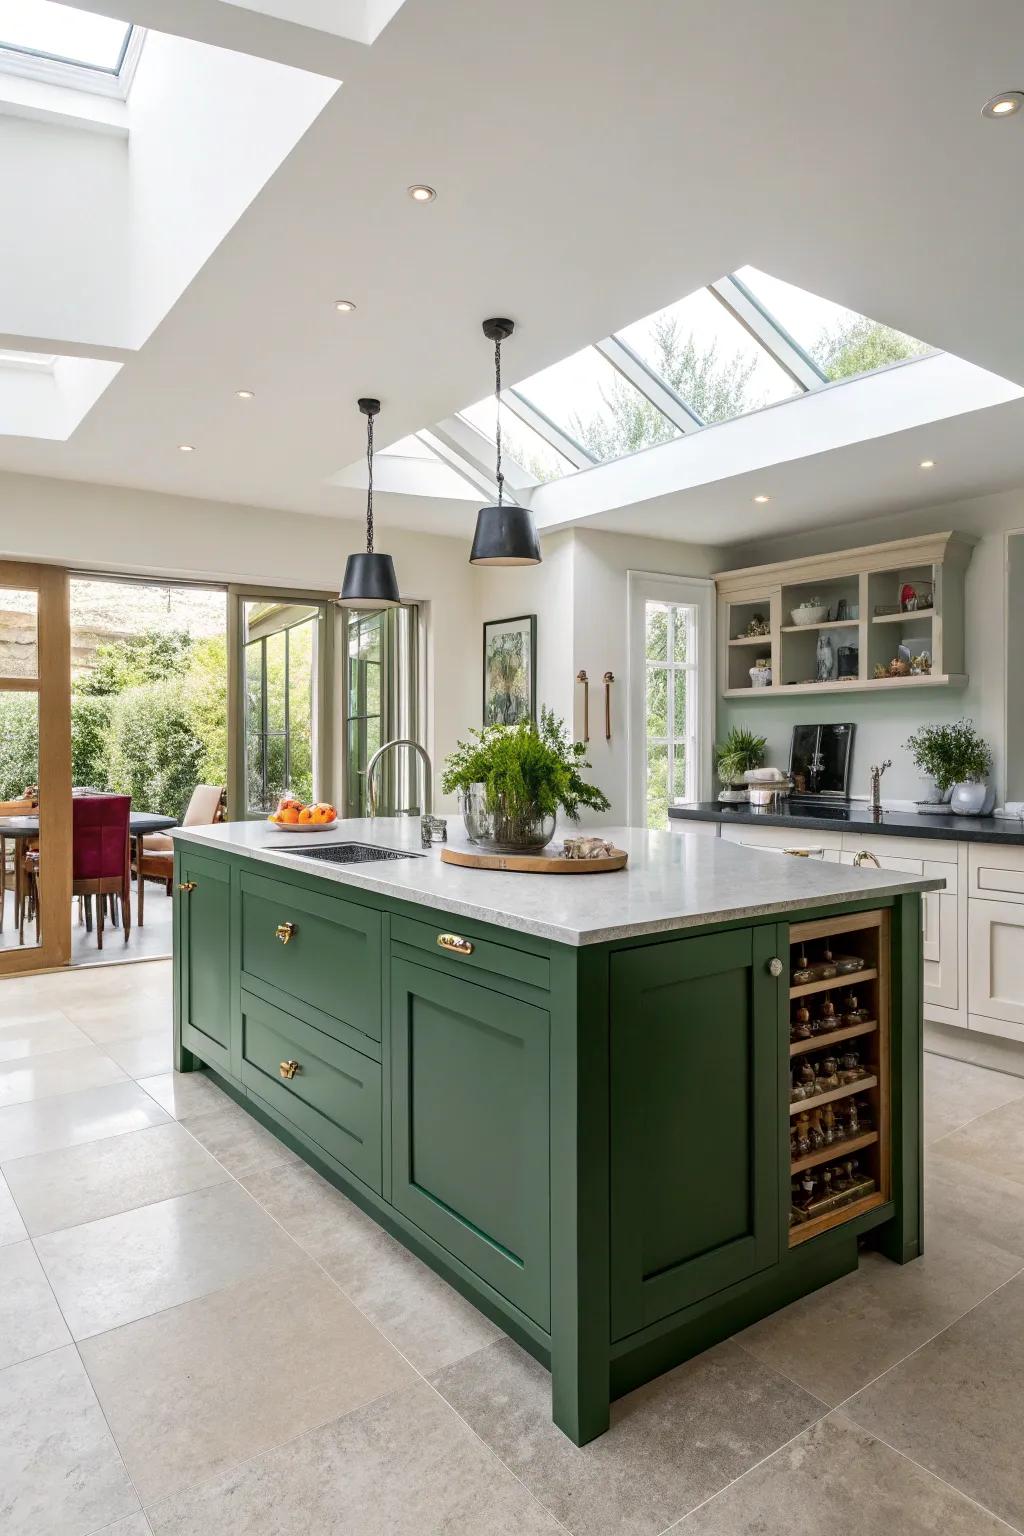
(693, 828)
(939, 931)
(996, 874)
(996, 967)
(795, 840)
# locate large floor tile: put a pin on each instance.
(72, 1118)
(60, 1474)
(121, 1018)
(835, 1478)
(956, 1092)
(35, 1033)
(403, 1466)
(672, 1443)
(836, 1340)
(135, 1525)
(194, 1391)
(955, 1405)
(237, 1140)
(419, 1312)
(12, 1228)
(183, 1094)
(30, 1320)
(972, 1203)
(110, 1272)
(100, 1178)
(56, 1072)
(992, 1143)
(142, 1055)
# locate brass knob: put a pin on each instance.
(455, 943)
(285, 932)
(775, 966)
(186, 885)
(288, 1069)
(864, 857)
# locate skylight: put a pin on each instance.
(64, 46)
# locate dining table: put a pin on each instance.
(23, 829)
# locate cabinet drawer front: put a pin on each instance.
(334, 1095)
(483, 955)
(936, 850)
(995, 967)
(204, 957)
(996, 874)
(331, 959)
(779, 839)
(470, 1131)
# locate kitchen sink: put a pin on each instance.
(350, 853)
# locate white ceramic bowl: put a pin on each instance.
(808, 613)
(302, 826)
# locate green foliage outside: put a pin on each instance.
(150, 721)
(861, 346)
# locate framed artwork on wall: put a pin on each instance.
(510, 670)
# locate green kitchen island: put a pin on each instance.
(573, 1096)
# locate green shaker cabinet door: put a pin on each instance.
(470, 1127)
(204, 960)
(696, 1032)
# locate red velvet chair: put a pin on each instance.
(100, 861)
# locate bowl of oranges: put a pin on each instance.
(293, 815)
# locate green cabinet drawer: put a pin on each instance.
(332, 955)
(334, 1094)
(202, 916)
(698, 1029)
(470, 1132)
(467, 952)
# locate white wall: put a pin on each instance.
(884, 721)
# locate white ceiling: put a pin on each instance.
(592, 164)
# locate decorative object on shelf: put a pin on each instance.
(758, 628)
(761, 673)
(848, 662)
(825, 659)
(433, 829)
(370, 580)
(811, 611)
(505, 535)
(801, 972)
(957, 759)
(740, 751)
(886, 610)
(847, 611)
(609, 678)
(513, 780)
(510, 670)
(581, 677)
(908, 599)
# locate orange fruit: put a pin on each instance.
(305, 815)
(289, 814)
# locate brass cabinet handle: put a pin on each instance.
(864, 857)
(775, 966)
(288, 1069)
(456, 943)
(186, 885)
(285, 932)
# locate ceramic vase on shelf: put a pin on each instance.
(931, 794)
(490, 826)
(972, 799)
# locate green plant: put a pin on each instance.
(740, 750)
(950, 754)
(530, 769)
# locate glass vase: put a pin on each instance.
(490, 824)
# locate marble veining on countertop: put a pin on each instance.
(671, 881)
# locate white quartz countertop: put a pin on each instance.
(671, 881)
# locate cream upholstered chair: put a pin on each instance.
(204, 808)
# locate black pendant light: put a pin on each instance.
(370, 580)
(504, 535)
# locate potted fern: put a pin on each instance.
(512, 780)
(740, 751)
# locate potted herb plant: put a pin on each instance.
(513, 780)
(740, 750)
(956, 761)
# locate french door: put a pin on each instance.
(35, 769)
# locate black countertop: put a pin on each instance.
(857, 817)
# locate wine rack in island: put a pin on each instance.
(839, 1071)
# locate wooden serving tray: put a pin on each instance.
(535, 863)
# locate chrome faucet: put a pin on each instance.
(875, 774)
(428, 772)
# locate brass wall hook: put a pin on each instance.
(581, 677)
(609, 678)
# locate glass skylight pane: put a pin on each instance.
(59, 32)
(594, 405)
(840, 341)
(519, 441)
(409, 448)
(709, 359)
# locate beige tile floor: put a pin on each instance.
(200, 1337)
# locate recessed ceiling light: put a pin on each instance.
(762, 498)
(246, 394)
(186, 448)
(1003, 105)
(421, 194)
(927, 463)
(344, 306)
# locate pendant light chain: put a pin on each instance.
(497, 418)
(369, 484)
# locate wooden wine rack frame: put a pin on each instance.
(872, 932)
